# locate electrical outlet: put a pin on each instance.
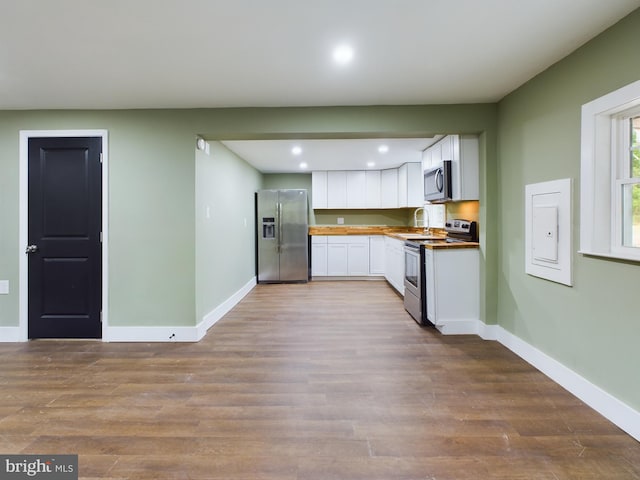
(340, 221)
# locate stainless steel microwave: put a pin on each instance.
(437, 183)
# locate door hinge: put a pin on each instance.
(100, 157)
(100, 316)
(100, 237)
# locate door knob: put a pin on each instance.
(31, 249)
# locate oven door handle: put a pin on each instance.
(411, 248)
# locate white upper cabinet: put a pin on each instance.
(356, 189)
(389, 188)
(463, 151)
(469, 170)
(410, 185)
(403, 175)
(372, 181)
(426, 158)
(319, 190)
(336, 189)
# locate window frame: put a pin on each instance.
(600, 169)
(621, 166)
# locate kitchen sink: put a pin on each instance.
(420, 236)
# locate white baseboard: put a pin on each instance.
(221, 310)
(606, 404)
(458, 327)
(11, 334)
(177, 333)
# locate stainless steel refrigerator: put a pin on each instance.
(282, 236)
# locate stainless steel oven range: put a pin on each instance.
(415, 281)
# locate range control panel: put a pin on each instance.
(464, 229)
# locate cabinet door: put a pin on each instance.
(336, 189)
(318, 255)
(358, 258)
(448, 147)
(415, 190)
(426, 158)
(469, 168)
(337, 259)
(398, 265)
(319, 259)
(394, 263)
(356, 189)
(319, 189)
(372, 181)
(389, 188)
(436, 154)
(403, 190)
(376, 255)
(429, 267)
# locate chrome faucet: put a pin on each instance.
(425, 219)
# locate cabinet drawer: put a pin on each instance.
(348, 239)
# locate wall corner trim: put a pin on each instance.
(178, 333)
(221, 310)
(604, 403)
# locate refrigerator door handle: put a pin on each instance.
(279, 213)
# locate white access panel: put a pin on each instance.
(544, 233)
(548, 237)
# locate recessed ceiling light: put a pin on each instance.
(383, 148)
(297, 150)
(303, 165)
(343, 54)
(371, 164)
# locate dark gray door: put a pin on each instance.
(65, 249)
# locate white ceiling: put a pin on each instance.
(271, 156)
(230, 53)
(79, 54)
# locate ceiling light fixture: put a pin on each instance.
(383, 148)
(303, 165)
(343, 54)
(371, 164)
(297, 150)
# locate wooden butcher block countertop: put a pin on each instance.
(401, 233)
(360, 230)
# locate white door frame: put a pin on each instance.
(23, 307)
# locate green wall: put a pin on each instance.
(594, 327)
(152, 197)
(225, 225)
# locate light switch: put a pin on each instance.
(544, 233)
(4, 287)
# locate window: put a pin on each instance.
(626, 160)
(610, 175)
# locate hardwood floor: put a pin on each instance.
(328, 380)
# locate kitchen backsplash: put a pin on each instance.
(391, 217)
(469, 210)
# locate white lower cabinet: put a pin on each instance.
(453, 289)
(394, 263)
(340, 255)
(376, 255)
(319, 256)
(337, 259)
(358, 258)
